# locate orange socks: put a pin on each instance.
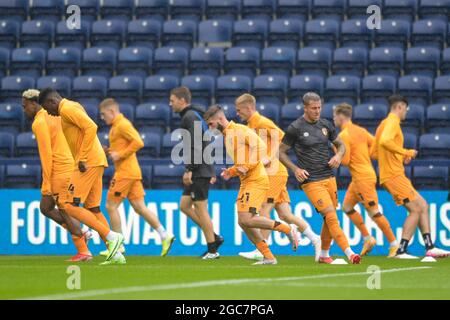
(335, 230)
(357, 219)
(80, 244)
(384, 226)
(281, 227)
(325, 236)
(88, 218)
(264, 249)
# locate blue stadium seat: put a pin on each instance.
(385, 61)
(250, 33)
(430, 178)
(376, 88)
(91, 110)
(168, 142)
(117, 9)
(152, 10)
(171, 61)
(201, 87)
(187, 9)
(400, 9)
(441, 90)
(27, 62)
(108, 33)
(354, 33)
(269, 110)
(37, 34)
(230, 87)
(9, 33)
(432, 9)
(393, 33)
(6, 143)
(314, 61)
(175, 120)
(242, 61)
(410, 141)
(62, 84)
(349, 61)
(179, 33)
(88, 8)
(438, 118)
(23, 176)
(414, 119)
(229, 110)
(422, 61)
(167, 177)
(147, 176)
(157, 88)
(144, 33)
(295, 9)
(357, 9)
(152, 115)
(126, 89)
(278, 61)
(127, 110)
(328, 9)
(285, 33)
(270, 89)
(135, 61)
(299, 85)
(344, 178)
(416, 88)
(99, 61)
(369, 115)
(46, 10)
(445, 63)
(14, 10)
(72, 37)
(103, 136)
(63, 61)
(26, 145)
(289, 113)
(434, 146)
(215, 33)
(429, 33)
(226, 10)
(342, 89)
(327, 110)
(257, 9)
(206, 61)
(11, 118)
(13, 86)
(321, 33)
(4, 61)
(89, 89)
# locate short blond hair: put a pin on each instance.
(345, 109)
(109, 103)
(31, 94)
(246, 98)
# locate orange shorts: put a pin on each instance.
(119, 189)
(364, 192)
(401, 190)
(86, 187)
(277, 192)
(251, 197)
(322, 194)
(60, 185)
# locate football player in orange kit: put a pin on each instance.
(362, 189)
(388, 149)
(57, 166)
(124, 142)
(86, 184)
(243, 145)
(277, 196)
(310, 136)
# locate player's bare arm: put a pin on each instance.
(300, 174)
(337, 158)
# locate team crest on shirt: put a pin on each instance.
(320, 202)
(306, 134)
(325, 131)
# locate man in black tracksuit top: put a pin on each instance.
(199, 173)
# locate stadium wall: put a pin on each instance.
(23, 230)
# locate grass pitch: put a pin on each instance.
(46, 277)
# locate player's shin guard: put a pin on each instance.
(264, 249)
(335, 230)
(88, 218)
(384, 226)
